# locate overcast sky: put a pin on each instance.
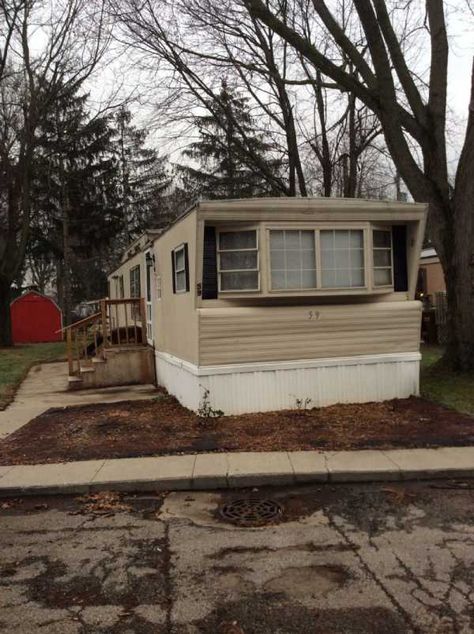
(117, 73)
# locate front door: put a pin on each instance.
(149, 296)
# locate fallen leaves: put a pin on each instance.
(103, 503)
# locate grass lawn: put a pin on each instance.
(449, 388)
(15, 363)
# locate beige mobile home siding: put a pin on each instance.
(245, 335)
(175, 321)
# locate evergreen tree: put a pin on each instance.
(230, 153)
(76, 195)
(143, 179)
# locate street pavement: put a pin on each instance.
(341, 559)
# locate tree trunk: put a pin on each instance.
(5, 322)
(459, 265)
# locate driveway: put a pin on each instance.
(343, 559)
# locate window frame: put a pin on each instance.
(386, 229)
(175, 251)
(133, 271)
(234, 229)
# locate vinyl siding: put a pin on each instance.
(275, 333)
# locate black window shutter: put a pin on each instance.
(173, 271)
(400, 269)
(209, 265)
(186, 265)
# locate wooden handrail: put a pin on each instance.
(117, 324)
(80, 323)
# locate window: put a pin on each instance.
(135, 286)
(342, 258)
(238, 261)
(382, 253)
(119, 287)
(292, 259)
(180, 269)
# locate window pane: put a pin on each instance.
(342, 258)
(307, 259)
(327, 240)
(292, 240)
(357, 277)
(236, 260)
(329, 279)
(179, 259)
(382, 239)
(382, 277)
(307, 240)
(341, 239)
(382, 257)
(181, 281)
(277, 259)
(246, 280)
(343, 278)
(234, 240)
(278, 279)
(277, 240)
(292, 259)
(357, 239)
(308, 279)
(357, 259)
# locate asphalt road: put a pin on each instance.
(341, 559)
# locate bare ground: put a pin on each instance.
(163, 427)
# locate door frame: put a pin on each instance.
(149, 285)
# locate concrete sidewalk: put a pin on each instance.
(46, 386)
(229, 470)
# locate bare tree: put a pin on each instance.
(30, 84)
(411, 116)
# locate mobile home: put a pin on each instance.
(258, 304)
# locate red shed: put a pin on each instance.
(35, 319)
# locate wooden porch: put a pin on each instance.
(94, 343)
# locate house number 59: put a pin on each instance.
(313, 315)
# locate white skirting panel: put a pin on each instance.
(240, 388)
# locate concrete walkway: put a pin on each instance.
(46, 386)
(222, 470)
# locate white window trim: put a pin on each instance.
(320, 289)
(256, 249)
(374, 268)
(176, 270)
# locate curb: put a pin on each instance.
(236, 470)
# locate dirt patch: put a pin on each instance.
(163, 427)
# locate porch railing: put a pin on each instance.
(118, 323)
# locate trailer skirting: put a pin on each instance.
(261, 387)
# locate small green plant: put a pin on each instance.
(303, 404)
(163, 397)
(205, 410)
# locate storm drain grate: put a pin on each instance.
(251, 512)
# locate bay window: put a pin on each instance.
(320, 260)
(238, 263)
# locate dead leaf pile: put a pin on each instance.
(103, 503)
